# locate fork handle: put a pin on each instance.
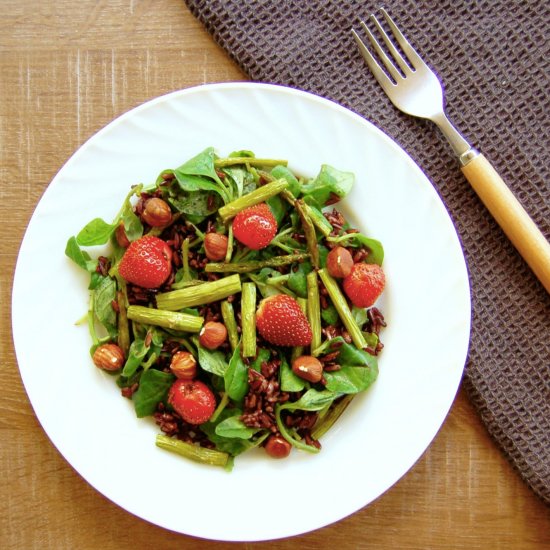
(511, 216)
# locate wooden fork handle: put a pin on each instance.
(511, 216)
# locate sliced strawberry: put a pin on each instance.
(193, 400)
(255, 226)
(146, 262)
(281, 321)
(364, 284)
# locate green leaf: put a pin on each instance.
(351, 356)
(288, 380)
(94, 233)
(262, 356)
(212, 361)
(232, 445)
(328, 184)
(136, 354)
(79, 257)
(235, 427)
(297, 280)
(350, 379)
(196, 203)
(236, 377)
(153, 388)
(104, 296)
(330, 315)
(312, 400)
(281, 171)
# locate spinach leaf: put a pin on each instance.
(236, 377)
(212, 361)
(288, 380)
(95, 233)
(196, 173)
(360, 315)
(351, 356)
(312, 400)
(232, 445)
(153, 388)
(136, 354)
(359, 370)
(297, 280)
(281, 171)
(79, 257)
(350, 379)
(104, 295)
(278, 207)
(330, 315)
(263, 355)
(196, 203)
(235, 427)
(329, 181)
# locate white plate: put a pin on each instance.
(382, 433)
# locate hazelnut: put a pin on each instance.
(339, 262)
(156, 212)
(184, 365)
(308, 367)
(277, 446)
(109, 357)
(121, 237)
(215, 246)
(212, 335)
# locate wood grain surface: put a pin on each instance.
(67, 68)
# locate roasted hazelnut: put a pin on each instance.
(156, 212)
(212, 335)
(308, 367)
(108, 357)
(121, 237)
(339, 262)
(277, 446)
(184, 365)
(215, 246)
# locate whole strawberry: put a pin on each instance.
(255, 226)
(280, 321)
(146, 262)
(364, 284)
(193, 400)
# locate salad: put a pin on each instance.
(234, 305)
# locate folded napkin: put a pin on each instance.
(493, 59)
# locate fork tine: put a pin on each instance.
(388, 63)
(391, 47)
(373, 65)
(415, 60)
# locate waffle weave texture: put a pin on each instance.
(493, 58)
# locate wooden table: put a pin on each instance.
(66, 69)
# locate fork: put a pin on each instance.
(414, 89)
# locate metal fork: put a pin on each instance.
(414, 89)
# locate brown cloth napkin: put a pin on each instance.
(493, 58)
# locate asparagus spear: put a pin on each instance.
(248, 319)
(343, 309)
(228, 315)
(193, 452)
(122, 323)
(167, 319)
(314, 308)
(251, 161)
(205, 293)
(309, 231)
(254, 265)
(334, 413)
(257, 196)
